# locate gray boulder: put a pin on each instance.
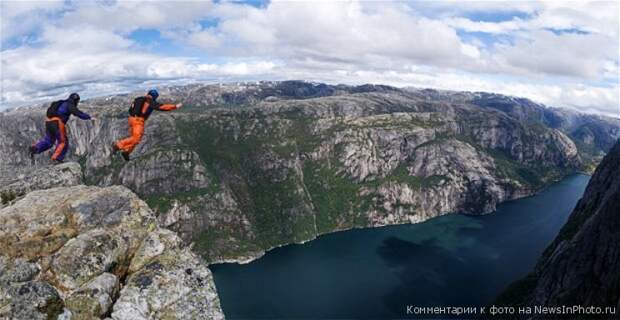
(85, 252)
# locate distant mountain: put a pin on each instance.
(582, 265)
(594, 135)
(250, 166)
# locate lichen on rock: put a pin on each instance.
(85, 252)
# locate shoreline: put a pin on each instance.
(252, 258)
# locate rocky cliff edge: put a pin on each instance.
(582, 265)
(70, 251)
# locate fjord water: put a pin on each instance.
(453, 260)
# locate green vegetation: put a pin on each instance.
(225, 242)
(7, 196)
(94, 176)
(338, 201)
(281, 208)
(333, 196)
(590, 154)
(163, 202)
(254, 155)
(401, 175)
(272, 199)
(395, 122)
(588, 151)
(534, 176)
(280, 213)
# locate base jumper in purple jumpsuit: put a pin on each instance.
(55, 132)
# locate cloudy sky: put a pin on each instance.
(564, 54)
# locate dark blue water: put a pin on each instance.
(454, 260)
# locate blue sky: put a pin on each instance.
(558, 53)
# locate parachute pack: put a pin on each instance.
(136, 107)
(52, 111)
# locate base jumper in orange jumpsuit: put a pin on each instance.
(139, 112)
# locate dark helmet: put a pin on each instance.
(74, 97)
(153, 93)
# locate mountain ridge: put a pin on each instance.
(247, 167)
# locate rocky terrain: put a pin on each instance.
(243, 168)
(70, 251)
(582, 265)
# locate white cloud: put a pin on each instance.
(487, 27)
(351, 32)
(30, 75)
(96, 61)
(563, 54)
(127, 16)
(20, 18)
(386, 36)
(578, 39)
(566, 54)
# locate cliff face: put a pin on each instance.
(86, 252)
(582, 265)
(244, 168)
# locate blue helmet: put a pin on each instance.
(153, 93)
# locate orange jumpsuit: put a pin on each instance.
(136, 124)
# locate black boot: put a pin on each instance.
(56, 161)
(125, 155)
(115, 148)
